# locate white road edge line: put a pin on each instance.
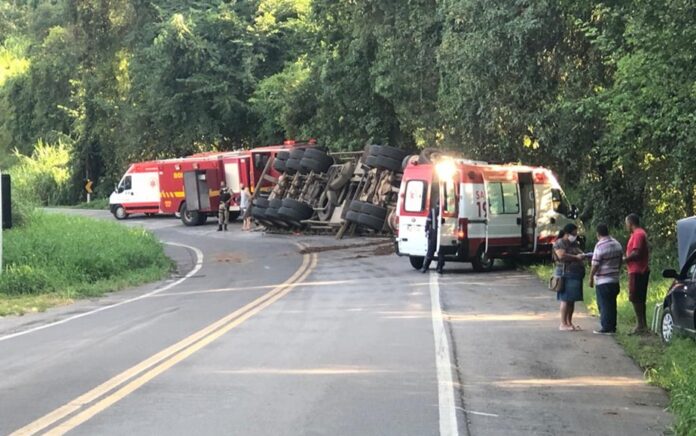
(445, 394)
(197, 267)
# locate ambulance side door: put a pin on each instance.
(449, 193)
(504, 219)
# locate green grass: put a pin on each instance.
(671, 367)
(97, 204)
(54, 259)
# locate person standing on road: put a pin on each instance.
(605, 272)
(432, 224)
(224, 207)
(570, 265)
(244, 204)
(637, 259)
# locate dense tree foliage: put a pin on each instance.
(602, 92)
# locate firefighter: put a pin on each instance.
(431, 226)
(224, 207)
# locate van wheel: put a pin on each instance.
(416, 261)
(667, 326)
(482, 262)
(120, 213)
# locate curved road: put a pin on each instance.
(257, 337)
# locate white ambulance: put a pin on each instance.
(487, 211)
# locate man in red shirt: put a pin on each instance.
(637, 257)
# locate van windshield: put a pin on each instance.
(560, 202)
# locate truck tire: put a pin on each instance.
(280, 165)
(283, 155)
(296, 153)
(302, 210)
(342, 177)
(276, 203)
(190, 218)
(416, 261)
(406, 161)
(291, 215)
(481, 262)
(317, 166)
(326, 206)
(315, 153)
(428, 155)
(375, 150)
(120, 212)
(292, 166)
(392, 153)
(356, 206)
(374, 211)
(371, 222)
(261, 202)
(258, 213)
(389, 164)
(352, 216)
(371, 161)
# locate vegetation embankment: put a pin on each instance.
(53, 259)
(672, 367)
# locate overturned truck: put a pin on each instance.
(342, 193)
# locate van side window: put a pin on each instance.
(449, 205)
(511, 202)
(415, 196)
(503, 199)
(495, 199)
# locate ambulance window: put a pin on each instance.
(415, 196)
(449, 205)
(495, 199)
(126, 184)
(560, 203)
(511, 202)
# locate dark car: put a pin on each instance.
(679, 307)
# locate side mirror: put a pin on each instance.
(670, 274)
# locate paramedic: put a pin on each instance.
(431, 226)
(224, 207)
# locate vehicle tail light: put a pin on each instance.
(462, 229)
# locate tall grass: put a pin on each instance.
(65, 257)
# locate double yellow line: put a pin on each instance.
(86, 406)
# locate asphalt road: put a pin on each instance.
(256, 336)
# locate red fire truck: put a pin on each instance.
(190, 186)
(487, 211)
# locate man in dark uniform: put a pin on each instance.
(431, 226)
(224, 207)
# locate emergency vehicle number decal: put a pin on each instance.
(481, 204)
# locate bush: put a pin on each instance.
(42, 178)
(76, 256)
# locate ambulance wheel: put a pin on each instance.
(389, 164)
(482, 262)
(371, 222)
(416, 261)
(120, 213)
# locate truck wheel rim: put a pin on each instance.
(667, 327)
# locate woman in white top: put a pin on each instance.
(244, 203)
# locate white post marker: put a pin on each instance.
(445, 386)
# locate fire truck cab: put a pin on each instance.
(486, 211)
